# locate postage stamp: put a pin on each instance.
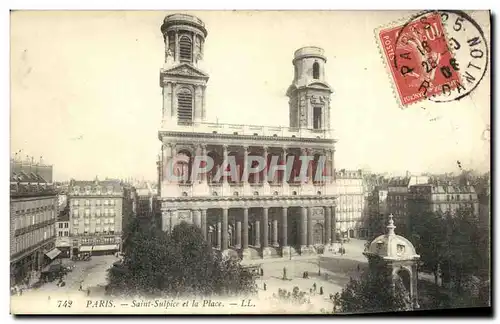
(423, 56)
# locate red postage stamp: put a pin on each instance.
(419, 59)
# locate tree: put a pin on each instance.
(132, 228)
(176, 264)
(461, 256)
(373, 293)
(428, 236)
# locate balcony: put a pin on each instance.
(246, 130)
(246, 189)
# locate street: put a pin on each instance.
(90, 274)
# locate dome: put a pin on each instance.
(309, 51)
(392, 246)
(184, 20)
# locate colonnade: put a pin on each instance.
(247, 228)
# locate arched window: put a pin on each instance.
(185, 49)
(316, 70)
(185, 106)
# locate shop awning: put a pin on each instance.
(86, 248)
(52, 254)
(108, 247)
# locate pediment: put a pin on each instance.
(185, 70)
(319, 85)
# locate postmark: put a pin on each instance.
(437, 55)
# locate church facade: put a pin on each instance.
(272, 212)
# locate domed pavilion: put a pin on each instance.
(397, 254)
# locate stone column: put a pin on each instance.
(310, 231)
(246, 251)
(334, 224)
(275, 233)
(165, 221)
(219, 238)
(283, 158)
(238, 235)
(245, 228)
(224, 163)
(309, 168)
(303, 230)
(197, 103)
(177, 47)
(197, 152)
(266, 252)
(257, 233)
(245, 167)
(328, 224)
(224, 229)
(173, 102)
(264, 178)
(284, 227)
(332, 154)
(303, 152)
(209, 237)
(203, 110)
(167, 90)
(265, 228)
(204, 154)
(197, 218)
(165, 37)
(204, 223)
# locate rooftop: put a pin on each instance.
(392, 246)
(25, 189)
(254, 131)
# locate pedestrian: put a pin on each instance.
(314, 286)
(284, 273)
(81, 288)
(88, 291)
(358, 267)
(326, 276)
(20, 291)
(321, 290)
(265, 286)
(261, 272)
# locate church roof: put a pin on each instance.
(392, 246)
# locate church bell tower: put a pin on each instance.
(309, 93)
(181, 78)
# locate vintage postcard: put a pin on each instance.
(250, 162)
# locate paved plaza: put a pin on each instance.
(331, 272)
(334, 275)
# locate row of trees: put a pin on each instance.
(180, 263)
(453, 245)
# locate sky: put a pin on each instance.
(85, 90)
